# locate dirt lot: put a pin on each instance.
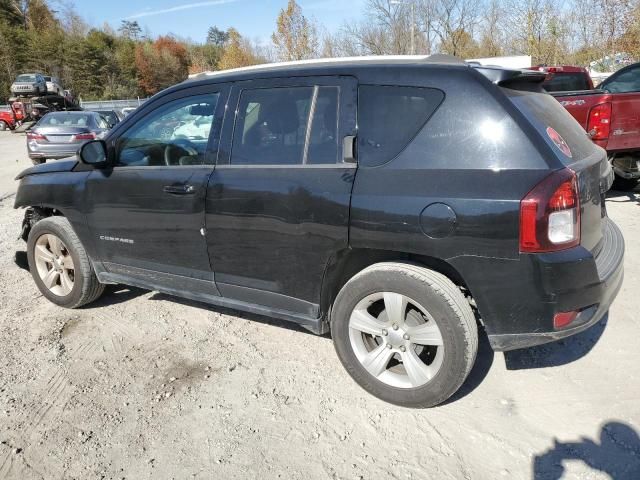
(141, 385)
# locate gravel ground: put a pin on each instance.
(141, 385)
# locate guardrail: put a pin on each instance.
(108, 104)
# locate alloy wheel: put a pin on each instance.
(396, 340)
(54, 264)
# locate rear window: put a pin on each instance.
(390, 117)
(62, 119)
(564, 82)
(545, 111)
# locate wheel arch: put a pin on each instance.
(348, 262)
(33, 214)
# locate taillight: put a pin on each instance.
(599, 124)
(35, 136)
(86, 136)
(550, 214)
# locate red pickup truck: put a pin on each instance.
(565, 78)
(7, 120)
(611, 117)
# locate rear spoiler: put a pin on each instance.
(511, 77)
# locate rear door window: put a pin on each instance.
(287, 126)
(389, 118)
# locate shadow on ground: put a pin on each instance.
(234, 313)
(114, 294)
(616, 196)
(481, 368)
(21, 261)
(557, 353)
(616, 453)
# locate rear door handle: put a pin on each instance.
(180, 189)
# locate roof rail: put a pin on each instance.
(436, 58)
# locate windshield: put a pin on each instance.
(62, 119)
(26, 78)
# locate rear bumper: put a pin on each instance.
(52, 151)
(571, 280)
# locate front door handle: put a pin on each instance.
(180, 189)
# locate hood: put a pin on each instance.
(64, 165)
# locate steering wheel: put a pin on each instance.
(181, 147)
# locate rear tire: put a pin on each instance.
(624, 184)
(38, 161)
(418, 361)
(59, 264)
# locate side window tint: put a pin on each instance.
(176, 134)
(390, 117)
(287, 126)
(628, 81)
(271, 126)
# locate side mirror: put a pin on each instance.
(93, 153)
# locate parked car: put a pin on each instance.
(565, 78)
(29, 84)
(388, 201)
(113, 117)
(61, 134)
(610, 117)
(7, 120)
(54, 86)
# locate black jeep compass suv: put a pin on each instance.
(396, 202)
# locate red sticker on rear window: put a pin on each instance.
(559, 141)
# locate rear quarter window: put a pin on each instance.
(389, 117)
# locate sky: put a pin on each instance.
(254, 19)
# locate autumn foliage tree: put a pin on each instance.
(296, 37)
(161, 64)
(238, 52)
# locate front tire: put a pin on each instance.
(59, 264)
(3, 126)
(406, 334)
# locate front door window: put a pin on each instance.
(176, 134)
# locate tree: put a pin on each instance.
(238, 52)
(460, 43)
(296, 37)
(492, 39)
(203, 58)
(161, 64)
(130, 30)
(217, 37)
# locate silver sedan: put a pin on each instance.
(61, 134)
